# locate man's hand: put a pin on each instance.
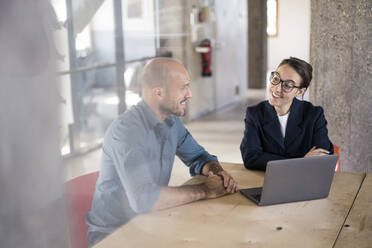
(214, 168)
(316, 152)
(213, 187)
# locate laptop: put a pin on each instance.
(291, 180)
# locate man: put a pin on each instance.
(139, 150)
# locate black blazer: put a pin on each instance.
(263, 140)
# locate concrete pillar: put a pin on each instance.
(257, 40)
(341, 56)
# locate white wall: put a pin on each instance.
(294, 17)
(231, 51)
(227, 29)
(293, 33)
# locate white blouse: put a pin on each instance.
(283, 123)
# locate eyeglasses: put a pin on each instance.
(287, 86)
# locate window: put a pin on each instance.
(101, 46)
(272, 18)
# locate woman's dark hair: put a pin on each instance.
(304, 69)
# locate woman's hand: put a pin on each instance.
(316, 152)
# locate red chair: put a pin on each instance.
(337, 151)
(79, 196)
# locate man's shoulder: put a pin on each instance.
(128, 126)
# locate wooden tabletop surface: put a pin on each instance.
(235, 221)
(357, 230)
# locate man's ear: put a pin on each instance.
(158, 92)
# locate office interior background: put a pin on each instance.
(71, 66)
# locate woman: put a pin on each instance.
(284, 127)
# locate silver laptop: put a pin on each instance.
(291, 180)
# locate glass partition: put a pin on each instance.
(101, 47)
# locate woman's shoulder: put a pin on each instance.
(310, 109)
(257, 111)
(260, 107)
(308, 106)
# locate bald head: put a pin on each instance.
(159, 72)
(165, 87)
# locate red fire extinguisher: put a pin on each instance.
(206, 57)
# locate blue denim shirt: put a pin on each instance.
(138, 156)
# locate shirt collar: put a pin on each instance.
(150, 116)
(170, 120)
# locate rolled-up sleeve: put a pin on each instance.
(191, 153)
(133, 170)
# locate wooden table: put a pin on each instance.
(234, 221)
(357, 230)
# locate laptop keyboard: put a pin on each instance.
(257, 197)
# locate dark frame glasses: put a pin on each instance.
(287, 86)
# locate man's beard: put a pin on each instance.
(173, 109)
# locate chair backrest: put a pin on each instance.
(79, 196)
(337, 151)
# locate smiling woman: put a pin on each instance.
(282, 92)
(285, 127)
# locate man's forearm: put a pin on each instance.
(175, 196)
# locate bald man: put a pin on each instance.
(139, 150)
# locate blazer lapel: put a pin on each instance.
(271, 125)
(294, 124)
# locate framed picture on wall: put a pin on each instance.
(134, 9)
(138, 15)
(272, 18)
